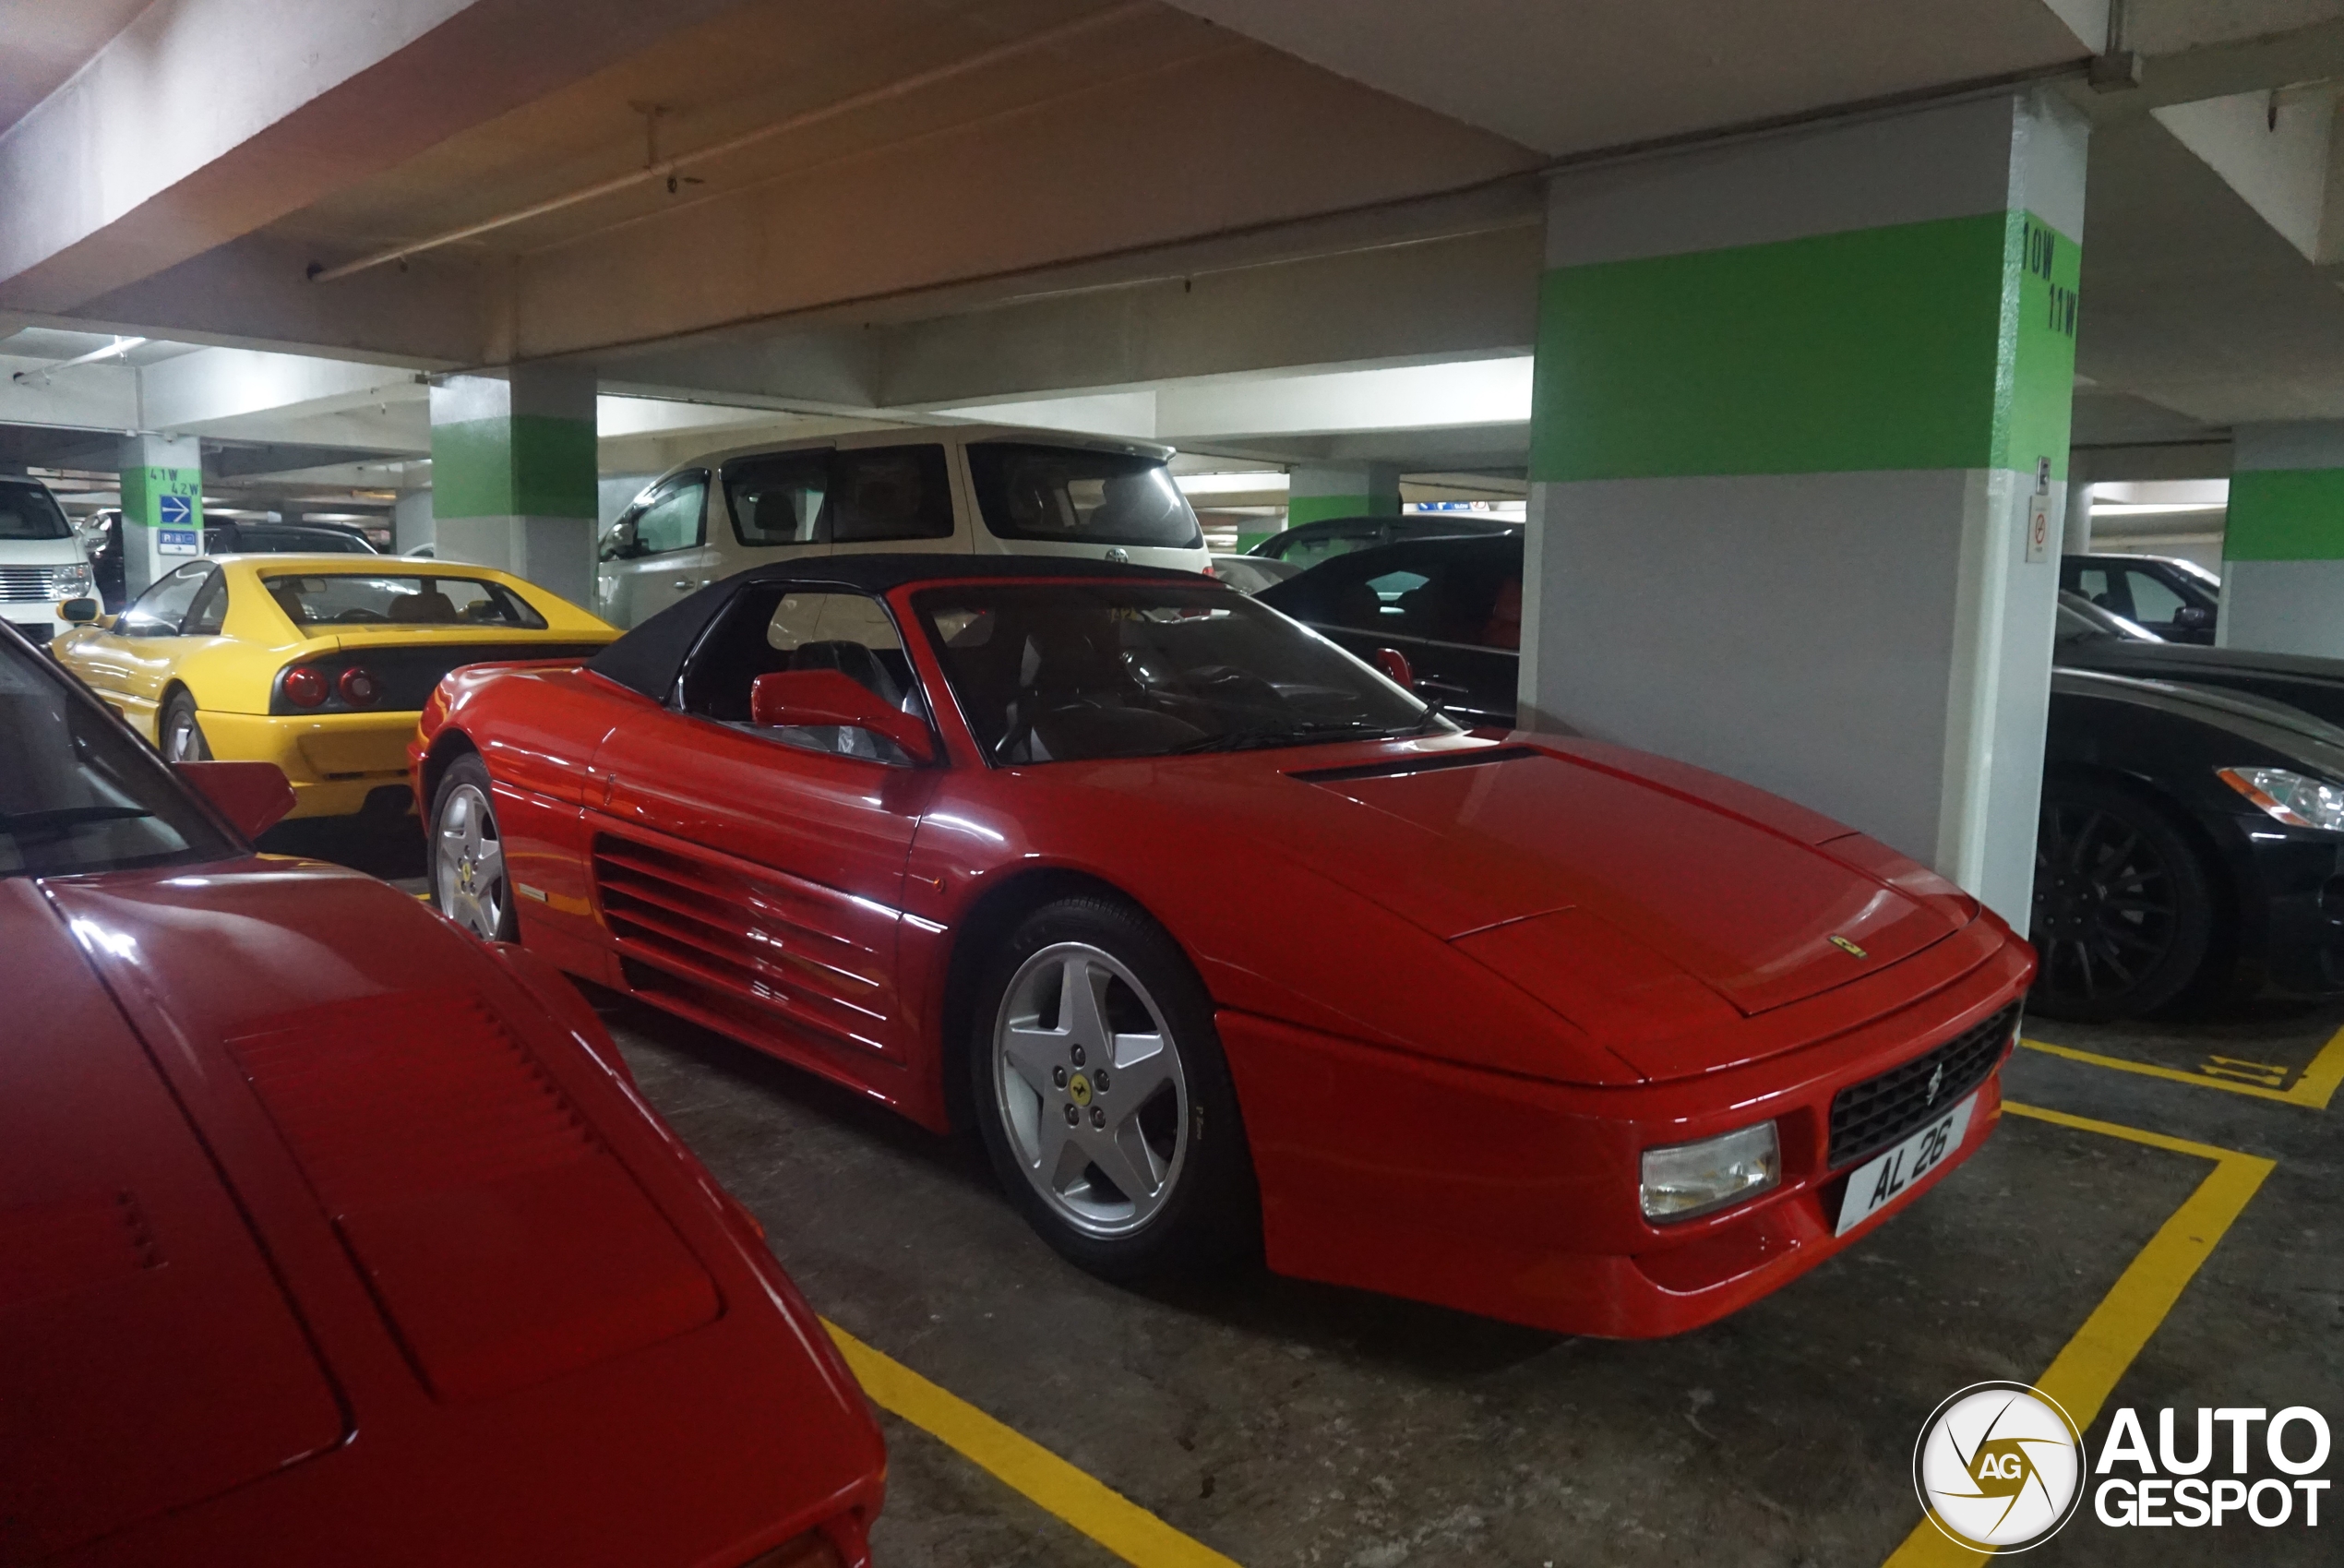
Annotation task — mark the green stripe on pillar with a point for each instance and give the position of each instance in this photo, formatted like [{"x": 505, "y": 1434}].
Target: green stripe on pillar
[
  {"x": 530, "y": 465},
  {"x": 1300, "y": 510},
  {"x": 144, "y": 488},
  {"x": 2285, "y": 514},
  {"x": 1941, "y": 344}
]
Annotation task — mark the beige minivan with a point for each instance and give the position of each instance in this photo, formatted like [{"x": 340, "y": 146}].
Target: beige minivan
[{"x": 952, "y": 490}]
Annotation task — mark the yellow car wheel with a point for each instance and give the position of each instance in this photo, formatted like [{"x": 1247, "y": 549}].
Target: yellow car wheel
[{"x": 181, "y": 736}]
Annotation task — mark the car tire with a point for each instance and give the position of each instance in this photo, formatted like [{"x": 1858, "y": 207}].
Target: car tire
[
  {"x": 2124, "y": 908},
  {"x": 179, "y": 736},
  {"x": 1144, "y": 1175},
  {"x": 468, "y": 881}
]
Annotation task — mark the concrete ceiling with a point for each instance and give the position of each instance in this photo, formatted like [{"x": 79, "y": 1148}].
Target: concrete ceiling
[
  {"x": 974, "y": 202},
  {"x": 1604, "y": 73},
  {"x": 47, "y": 42}
]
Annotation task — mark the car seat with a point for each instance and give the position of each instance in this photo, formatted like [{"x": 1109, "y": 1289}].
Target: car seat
[{"x": 430, "y": 607}]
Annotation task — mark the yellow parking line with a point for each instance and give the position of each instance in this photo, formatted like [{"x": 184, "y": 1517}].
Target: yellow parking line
[
  {"x": 2088, "y": 1366},
  {"x": 2314, "y": 1089},
  {"x": 1025, "y": 1467}
]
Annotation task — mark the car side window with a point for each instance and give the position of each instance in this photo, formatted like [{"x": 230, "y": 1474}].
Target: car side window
[
  {"x": 209, "y": 613},
  {"x": 2105, "y": 589},
  {"x": 2153, "y": 600},
  {"x": 671, "y": 519},
  {"x": 163, "y": 606},
  {"x": 778, "y": 499},
  {"x": 887, "y": 493},
  {"x": 777, "y": 626}
]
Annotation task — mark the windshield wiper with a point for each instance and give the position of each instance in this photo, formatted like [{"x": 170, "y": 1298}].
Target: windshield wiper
[{"x": 63, "y": 818}]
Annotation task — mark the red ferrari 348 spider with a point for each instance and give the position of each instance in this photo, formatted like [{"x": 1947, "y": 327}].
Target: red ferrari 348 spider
[
  {"x": 1221, "y": 939},
  {"x": 327, "y": 1236}
]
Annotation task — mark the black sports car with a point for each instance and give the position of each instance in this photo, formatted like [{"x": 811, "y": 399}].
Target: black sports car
[
  {"x": 2192, "y": 836},
  {"x": 2189, "y": 835}
]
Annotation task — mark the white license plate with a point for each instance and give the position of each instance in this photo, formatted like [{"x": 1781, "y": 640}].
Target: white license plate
[{"x": 1887, "y": 1176}]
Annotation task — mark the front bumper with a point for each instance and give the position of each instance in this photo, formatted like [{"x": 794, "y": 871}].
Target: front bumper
[
  {"x": 2290, "y": 887},
  {"x": 1517, "y": 1199},
  {"x": 337, "y": 763}
]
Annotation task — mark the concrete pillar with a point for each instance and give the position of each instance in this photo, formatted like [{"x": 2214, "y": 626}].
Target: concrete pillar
[
  {"x": 2077, "y": 538},
  {"x": 162, "y": 507},
  {"x": 512, "y": 475},
  {"x": 411, "y": 520},
  {"x": 2283, "y": 545},
  {"x": 1358, "y": 490},
  {"x": 1800, "y": 402},
  {"x": 288, "y": 511}
]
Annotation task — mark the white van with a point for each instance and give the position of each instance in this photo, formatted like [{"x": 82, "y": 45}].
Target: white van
[
  {"x": 43, "y": 559},
  {"x": 957, "y": 490}
]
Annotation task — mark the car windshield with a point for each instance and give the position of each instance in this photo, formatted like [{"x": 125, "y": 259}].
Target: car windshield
[
  {"x": 78, "y": 792},
  {"x": 368, "y": 598},
  {"x": 1051, "y": 673},
  {"x": 1079, "y": 497},
  {"x": 27, "y": 511}
]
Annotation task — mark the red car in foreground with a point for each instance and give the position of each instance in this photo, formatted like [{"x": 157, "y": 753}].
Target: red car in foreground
[
  {"x": 1221, "y": 939},
  {"x": 329, "y": 1235}
]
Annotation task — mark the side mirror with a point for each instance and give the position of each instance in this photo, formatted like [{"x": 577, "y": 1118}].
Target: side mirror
[
  {"x": 794, "y": 698},
  {"x": 1394, "y": 664},
  {"x": 2192, "y": 615},
  {"x": 81, "y": 612},
  {"x": 253, "y": 795}
]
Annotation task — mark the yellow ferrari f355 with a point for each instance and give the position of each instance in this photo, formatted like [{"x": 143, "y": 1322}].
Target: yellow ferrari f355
[{"x": 318, "y": 664}]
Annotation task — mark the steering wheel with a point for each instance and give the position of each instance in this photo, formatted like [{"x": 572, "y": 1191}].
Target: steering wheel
[{"x": 353, "y": 616}]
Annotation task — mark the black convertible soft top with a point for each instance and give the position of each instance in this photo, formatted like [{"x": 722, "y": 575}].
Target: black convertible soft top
[{"x": 649, "y": 658}]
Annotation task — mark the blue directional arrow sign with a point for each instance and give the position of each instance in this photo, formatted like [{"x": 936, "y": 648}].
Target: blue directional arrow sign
[{"x": 173, "y": 511}]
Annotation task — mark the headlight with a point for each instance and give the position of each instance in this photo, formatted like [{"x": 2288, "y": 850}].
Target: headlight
[
  {"x": 70, "y": 582},
  {"x": 2297, "y": 799},
  {"x": 1684, "y": 1179}
]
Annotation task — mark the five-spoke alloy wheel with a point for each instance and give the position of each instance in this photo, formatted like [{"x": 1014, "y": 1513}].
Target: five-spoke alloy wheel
[
  {"x": 1102, "y": 1096},
  {"x": 468, "y": 881},
  {"x": 1089, "y": 1086}
]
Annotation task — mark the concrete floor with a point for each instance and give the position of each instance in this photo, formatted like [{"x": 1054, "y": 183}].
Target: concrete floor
[{"x": 1283, "y": 1423}]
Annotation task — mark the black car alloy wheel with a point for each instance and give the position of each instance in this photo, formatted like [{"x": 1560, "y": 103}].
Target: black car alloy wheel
[{"x": 2123, "y": 905}]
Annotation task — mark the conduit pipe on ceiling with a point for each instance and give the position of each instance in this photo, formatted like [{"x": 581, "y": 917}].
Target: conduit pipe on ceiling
[
  {"x": 667, "y": 167},
  {"x": 120, "y": 345}
]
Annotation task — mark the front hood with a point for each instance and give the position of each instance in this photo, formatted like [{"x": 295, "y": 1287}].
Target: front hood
[
  {"x": 2278, "y": 725},
  {"x": 1749, "y": 912},
  {"x": 2316, "y": 685},
  {"x": 40, "y": 553},
  {"x": 502, "y": 1240},
  {"x": 153, "y": 1359}
]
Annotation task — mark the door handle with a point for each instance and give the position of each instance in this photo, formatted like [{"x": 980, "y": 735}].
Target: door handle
[{"x": 683, "y": 582}]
